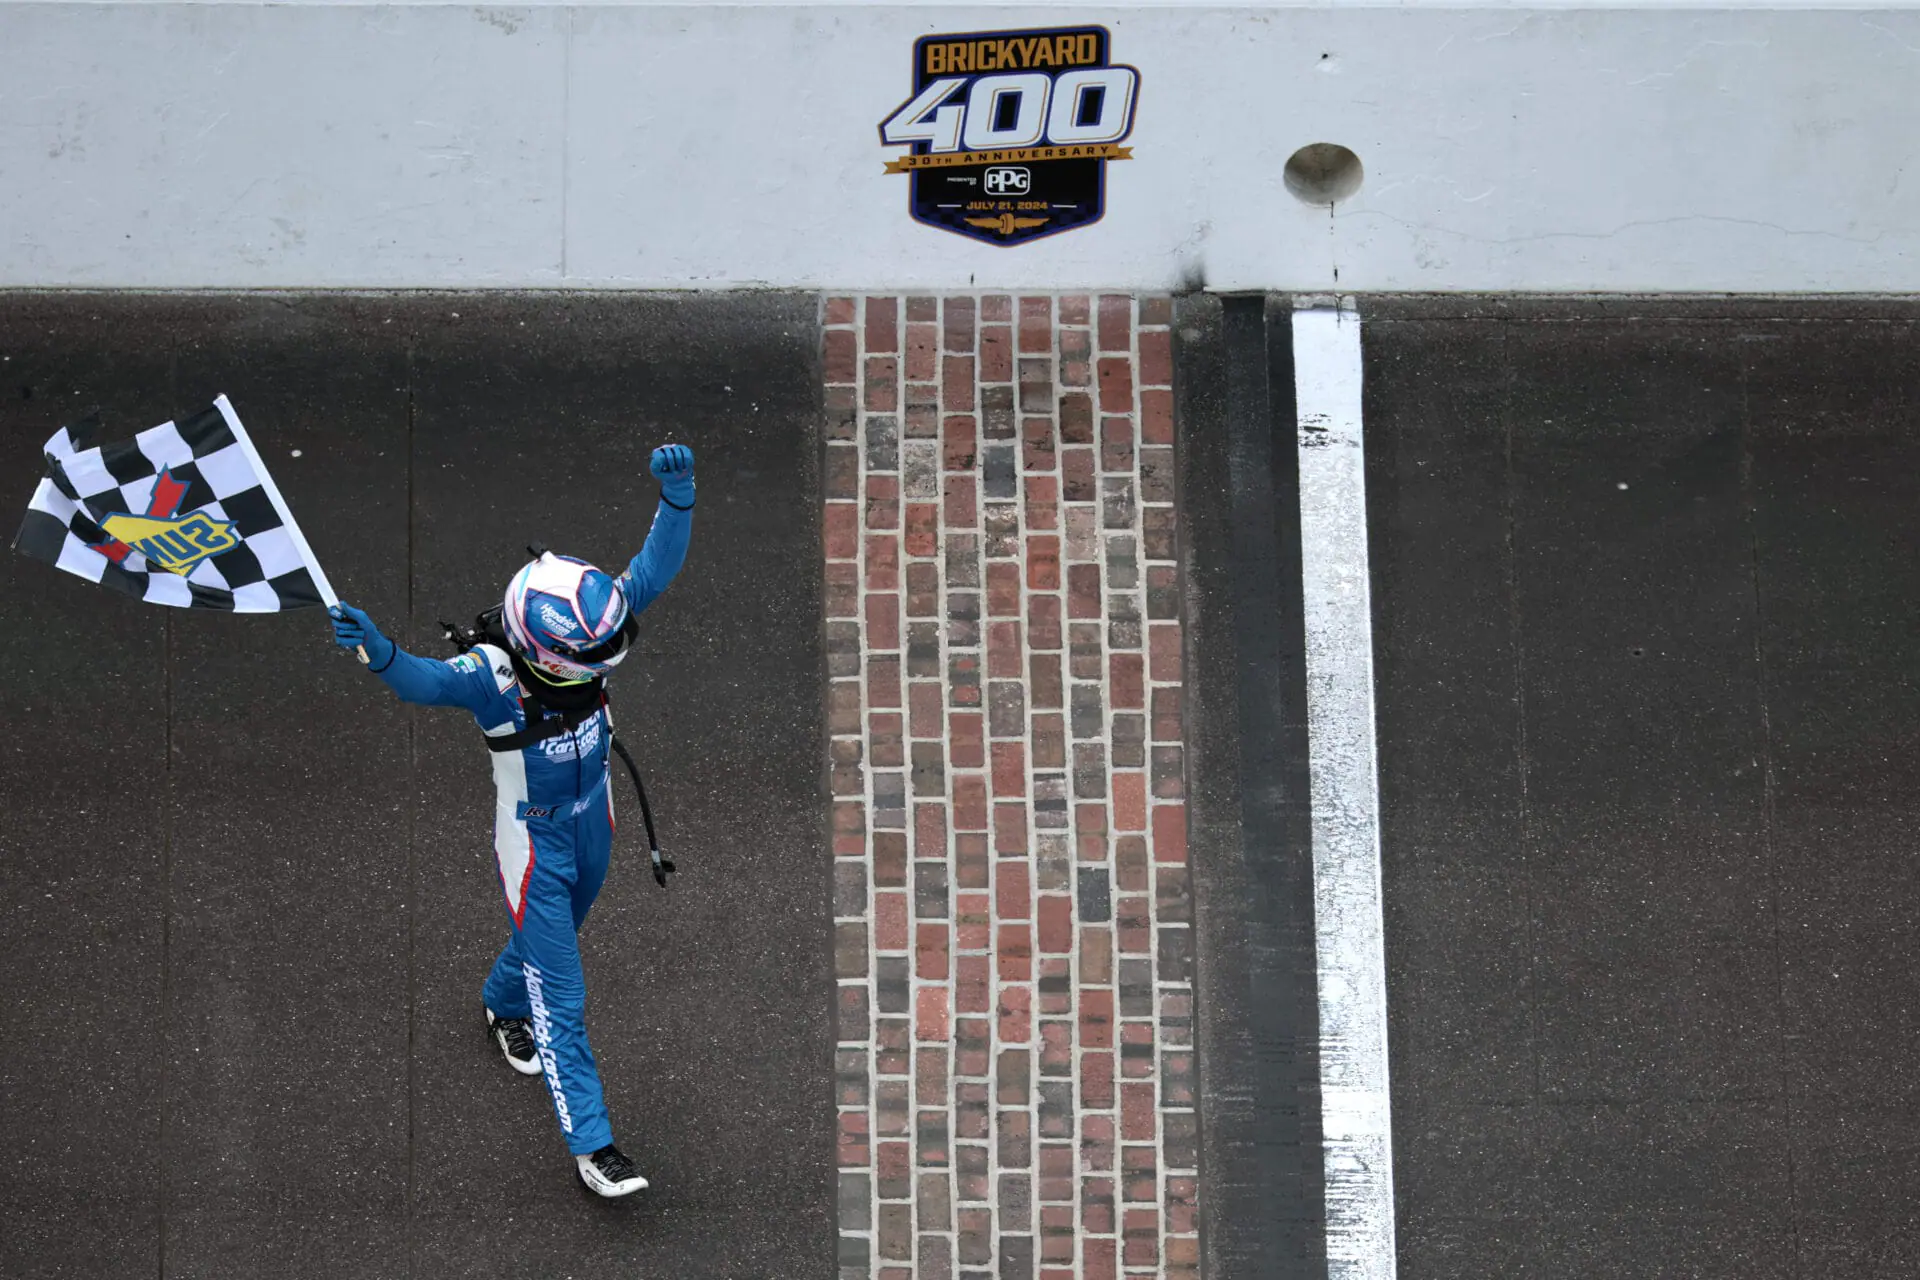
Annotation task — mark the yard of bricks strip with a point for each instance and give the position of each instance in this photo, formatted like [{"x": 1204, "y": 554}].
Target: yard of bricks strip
[{"x": 1013, "y": 928}]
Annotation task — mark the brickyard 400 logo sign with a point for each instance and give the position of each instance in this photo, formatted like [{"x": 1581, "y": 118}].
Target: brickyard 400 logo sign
[{"x": 1012, "y": 130}]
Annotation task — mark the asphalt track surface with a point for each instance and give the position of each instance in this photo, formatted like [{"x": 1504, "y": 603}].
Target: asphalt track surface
[
  {"x": 1647, "y": 776},
  {"x": 1646, "y": 586},
  {"x": 251, "y": 897},
  {"x": 1645, "y": 579}
]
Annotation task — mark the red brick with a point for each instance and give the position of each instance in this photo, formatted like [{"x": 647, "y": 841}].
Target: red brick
[
  {"x": 970, "y": 860},
  {"x": 1166, "y": 715},
  {"x": 840, "y": 356},
  {"x": 849, "y": 828},
  {"x": 1116, "y": 443},
  {"x": 972, "y": 921},
  {"x": 959, "y": 434},
  {"x": 883, "y": 317},
  {"x": 883, "y": 562},
  {"x": 997, "y": 306},
  {"x": 1130, "y": 864},
  {"x": 957, "y": 324},
  {"x": 1140, "y": 1176},
  {"x": 892, "y": 1164},
  {"x": 1056, "y": 1236},
  {"x": 886, "y": 744},
  {"x": 883, "y": 683},
  {"x": 923, "y": 352},
  {"x": 1043, "y": 622},
  {"x": 930, "y": 1015},
  {"x": 1090, "y": 824},
  {"x": 1043, "y": 676},
  {"x": 924, "y": 699},
  {"x": 1010, "y": 769},
  {"x": 1126, "y": 674},
  {"x": 1096, "y": 955},
  {"x": 1049, "y": 735},
  {"x": 1156, "y": 417},
  {"x": 842, "y": 480},
  {"x": 1170, "y": 833},
  {"x": 1076, "y": 475},
  {"x": 1156, "y": 310},
  {"x": 882, "y": 385},
  {"x": 843, "y": 531},
  {"x": 854, "y": 1139},
  {"x": 1043, "y": 562},
  {"x": 1076, "y": 418},
  {"x": 996, "y": 353},
  {"x": 1056, "y": 1042},
  {"x": 1133, "y": 926},
  {"x": 973, "y": 978},
  {"x": 970, "y": 1048},
  {"x": 1129, "y": 801},
  {"x": 1096, "y": 1080},
  {"x": 1116, "y": 322},
  {"x": 843, "y": 578},
  {"x": 1098, "y": 1260},
  {"x": 1163, "y": 646},
  {"x": 956, "y": 383},
  {"x": 923, "y": 529},
  {"x": 969, "y": 803},
  {"x": 963, "y": 502},
  {"x": 1043, "y": 502},
  {"x": 1182, "y": 1219},
  {"x": 1156, "y": 358},
  {"x": 1116, "y": 385},
  {"x": 1055, "y": 925},
  {"x": 1137, "y": 1114},
  {"x": 1016, "y": 1014},
  {"x": 889, "y": 921},
  {"x": 1083, "y": 591},
  {"x": 1003, "y": 650},
  {"x": 1096, "y": 1018},
  {"x": 1009, "y": 829},
  {"x": 883, "y": 620},
  {"x": 883, "y": 502},
  {"x": 1013, "y": 952},
  {"x": 966, "y": 732},
  {"x": 1141, "y": 1233},
  {"x": 843, "y": 707},
  {"x": 1003, "y": 590},
  {"x": 1036, "y": 444},
  {"x": 1013, "y": 893},
  {"x": 923, "y": 591},
  {"x": 838, "y": 311},
  {"x": 1073, "y": 309},
  {"x": 1036, "y": 324},
  {"x": 930, "y": 830}
]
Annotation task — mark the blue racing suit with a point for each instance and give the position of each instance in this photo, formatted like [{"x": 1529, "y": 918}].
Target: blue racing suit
[{"x": 552, "y": 833}]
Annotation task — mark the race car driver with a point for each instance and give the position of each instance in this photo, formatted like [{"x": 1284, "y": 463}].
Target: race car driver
[{"x": 537, "y": 691}]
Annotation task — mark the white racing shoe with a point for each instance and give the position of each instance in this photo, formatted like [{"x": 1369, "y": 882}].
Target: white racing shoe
[
  {"x": 608, "y": 1173},
  {"x": 515, "y": 1038}
]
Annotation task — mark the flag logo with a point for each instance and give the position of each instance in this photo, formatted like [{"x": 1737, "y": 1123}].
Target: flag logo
[
  {"x": 1010, "y": 132},
  {"x": 182, "y": 514},
  {"x": 173, "y": 542}
]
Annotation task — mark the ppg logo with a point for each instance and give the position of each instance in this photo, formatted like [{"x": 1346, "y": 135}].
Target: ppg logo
[{"x": 1008, "y": 180}]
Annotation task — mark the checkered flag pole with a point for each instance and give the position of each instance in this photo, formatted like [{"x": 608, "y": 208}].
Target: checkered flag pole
[{"x": 184, "y": 514}]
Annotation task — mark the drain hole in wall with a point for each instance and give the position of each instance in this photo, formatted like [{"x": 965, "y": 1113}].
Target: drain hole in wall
[{"x": 1323, "y": 173}]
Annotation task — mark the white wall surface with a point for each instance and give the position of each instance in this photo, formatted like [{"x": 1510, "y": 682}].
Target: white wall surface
[{"x": 658, "y": 146}]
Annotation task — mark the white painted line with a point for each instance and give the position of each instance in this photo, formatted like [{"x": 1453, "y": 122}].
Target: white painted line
[{"x": 1354, "y": 1103}]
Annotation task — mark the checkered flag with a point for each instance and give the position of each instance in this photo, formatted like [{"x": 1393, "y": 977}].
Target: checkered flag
[{"x": 183, "y": 514}]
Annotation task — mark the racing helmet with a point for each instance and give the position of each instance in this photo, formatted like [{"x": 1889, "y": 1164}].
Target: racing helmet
[{"x": 567, "y": 619}]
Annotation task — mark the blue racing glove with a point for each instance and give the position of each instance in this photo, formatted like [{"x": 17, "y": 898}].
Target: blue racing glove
[
  {"x": 673, "y": 465},
  {"x": 352, "y": 629}
]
